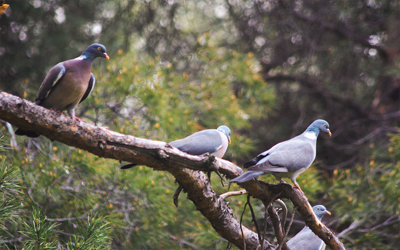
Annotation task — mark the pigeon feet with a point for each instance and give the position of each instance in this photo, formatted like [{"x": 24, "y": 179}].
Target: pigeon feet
[
  {"x": 78, "y": 119},
  {"x": 298, "y": 187}
]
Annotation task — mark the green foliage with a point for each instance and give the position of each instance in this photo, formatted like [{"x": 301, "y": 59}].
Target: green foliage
[
  {"x": 9, "y": 206},
  {"x": 38, "y": 232},
  {"x": 26, "y": 217},
  {"x": 94, "y": 234},
  {"x": 9, "y": 194},
  {"x": 368, "y": 198}
]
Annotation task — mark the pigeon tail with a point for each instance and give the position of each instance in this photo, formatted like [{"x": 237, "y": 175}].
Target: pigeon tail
[
  {"x": 130, "y": 165},
  {"x": 249, "y": 175},
  {"x": 254, "y": 161},
  {"x": 27, "y": 133}
]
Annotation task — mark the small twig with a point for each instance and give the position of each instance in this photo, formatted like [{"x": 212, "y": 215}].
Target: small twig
[
  {"x": 284, "y": 212},
  {"x": 265, "y": 215},
  {"x": 39, "y": 148},
  {"x": 352, "y": 226},
  {"x": 176, "y": 194},
  {"x": 30, "y": 196},
  {"x": 265, "y": 226},
  {"x": 68, "y": 234},
  {"x": 10, "y": 241},
  {"x": 63, "y": 219},
  {"x": 232, "y": 193},
  {"x": 273, "y": 214},
  {"x": 387, "y": 222},
  {"x": 255, "y": 221},
  {"x": 287, "y": 230},
  {"x": 220, "y": 177},
  {"x": 215, "y": 169},
  {"x": 241, "y": 227},
  {"x": 182, "y": 241}
]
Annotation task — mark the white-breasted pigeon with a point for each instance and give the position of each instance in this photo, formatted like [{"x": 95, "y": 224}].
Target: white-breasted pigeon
[
  {"x": 306, "y": 238},
  {"x": 209, "y": 141},
  {"x": 287, "y": 159}
]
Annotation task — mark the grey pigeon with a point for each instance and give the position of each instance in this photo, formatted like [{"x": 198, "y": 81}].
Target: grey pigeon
[
  {"x": 68, "y": 83},
  {"x": 307, "y": 239},
  {"x": 287, "y": 159},
  {"x": 210, "y": 141}
]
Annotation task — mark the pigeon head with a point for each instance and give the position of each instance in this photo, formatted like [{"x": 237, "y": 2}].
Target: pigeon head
[
  {"x": 226, "y": 131},
  {"x": 95, "y": 50},
  {"x": 319, "y": 125},
  {"x": 320, "y": 211}
]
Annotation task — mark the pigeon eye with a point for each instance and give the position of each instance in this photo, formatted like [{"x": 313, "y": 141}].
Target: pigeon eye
[{"x": 98, "y": 48}]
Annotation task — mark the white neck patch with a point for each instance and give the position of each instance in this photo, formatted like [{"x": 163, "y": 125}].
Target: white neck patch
[{"x": 310, "y": 135}]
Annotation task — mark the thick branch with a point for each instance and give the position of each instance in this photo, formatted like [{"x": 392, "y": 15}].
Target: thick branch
[{"x": 160, "y": 156}]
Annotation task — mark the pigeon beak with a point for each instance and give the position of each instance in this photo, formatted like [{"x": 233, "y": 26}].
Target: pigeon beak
[
  {"x": 329, "y": 132},
  {"x": 328, "y": 213},
  {"x": 106, "y": 56},
  {"x": 3, "y": 7},
  {"x": 229, "y": 140}
]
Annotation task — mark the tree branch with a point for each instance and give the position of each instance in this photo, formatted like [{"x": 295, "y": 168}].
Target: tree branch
[
  {"x": 279, "y": 230},
  {"x": 161, "y": 156}
]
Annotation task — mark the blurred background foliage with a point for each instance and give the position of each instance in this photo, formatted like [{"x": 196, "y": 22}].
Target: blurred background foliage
[{"x": 266, "y": 69}]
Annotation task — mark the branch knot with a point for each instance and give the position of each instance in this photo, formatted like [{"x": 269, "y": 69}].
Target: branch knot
[{"x": 162, "y": 154}]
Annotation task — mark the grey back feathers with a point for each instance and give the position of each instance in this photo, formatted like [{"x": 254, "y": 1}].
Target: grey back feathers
[
  {"x": 211, "y": 141},
  {"x": 306, "y": 239}
]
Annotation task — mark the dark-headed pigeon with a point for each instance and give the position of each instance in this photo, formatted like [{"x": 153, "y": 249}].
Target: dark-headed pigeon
[{"x": 68, "y": 83}]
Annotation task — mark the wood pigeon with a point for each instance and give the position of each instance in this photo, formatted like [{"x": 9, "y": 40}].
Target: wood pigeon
[
  {"x": 68, "y": 83},
  {"x": 287, "y": 159},
  {"x": 306, "y": 239},
  {"x": 210, "y": 141}
]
